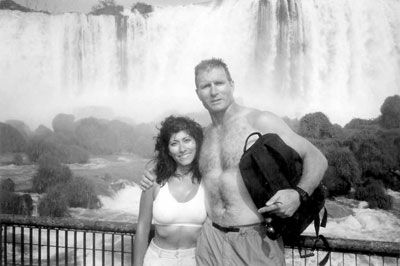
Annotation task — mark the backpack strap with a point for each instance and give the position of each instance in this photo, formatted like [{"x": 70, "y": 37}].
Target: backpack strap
[{"x": 247, "y": 140}]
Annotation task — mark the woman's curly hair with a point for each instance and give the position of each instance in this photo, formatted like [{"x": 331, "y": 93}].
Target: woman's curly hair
[{"x": 165, "y": 165}]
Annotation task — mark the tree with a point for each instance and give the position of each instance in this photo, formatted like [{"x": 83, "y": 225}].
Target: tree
[
  {"x": 64, "y": 123},
  {"x": 54, "y": 203},
  {"x": 50, "y": 173},
  {"x": 142, "y": 8},
  {"x": 374, "y": 193},
  {"x": 343, "y": 171},
  {"x": 316, "y": 125},
  {"x": 7, "y": 185},
  {"x": 10, "y": 139},
  {"x": 80, "y": 192},
  {"x": 107, "y": 7},
  {"x": 390, "y": 110}
]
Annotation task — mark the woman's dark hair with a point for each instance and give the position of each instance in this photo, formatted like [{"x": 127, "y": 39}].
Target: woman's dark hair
[{"x": 165, "y": 165}]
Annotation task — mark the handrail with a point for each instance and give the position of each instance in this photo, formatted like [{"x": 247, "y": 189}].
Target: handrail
[
  {"x": 364, "y": 247},
  {"x": 68, "y": 223}
]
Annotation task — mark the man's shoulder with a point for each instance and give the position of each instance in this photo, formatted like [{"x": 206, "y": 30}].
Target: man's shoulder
[{"x": 263, "y": 120}]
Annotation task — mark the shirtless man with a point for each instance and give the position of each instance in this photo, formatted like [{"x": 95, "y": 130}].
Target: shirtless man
[{"x": 234, "y": 233}]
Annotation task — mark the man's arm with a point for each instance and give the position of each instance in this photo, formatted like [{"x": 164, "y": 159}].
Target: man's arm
[
  {"x": 285, "y": 202},
  {"x": 147, "y": 180}
]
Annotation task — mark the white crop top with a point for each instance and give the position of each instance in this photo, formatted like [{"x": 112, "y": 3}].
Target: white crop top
[{"x": 168, "y": 211}]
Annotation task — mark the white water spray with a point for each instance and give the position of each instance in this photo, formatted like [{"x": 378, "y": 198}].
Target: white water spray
[{"x": 341, "y": 57}]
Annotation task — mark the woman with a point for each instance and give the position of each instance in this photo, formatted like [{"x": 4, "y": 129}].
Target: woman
[{"x": 175, "y": 203}]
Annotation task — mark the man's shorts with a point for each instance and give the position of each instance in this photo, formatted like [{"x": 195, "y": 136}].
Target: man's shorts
[{"x": 249, "y": 246}]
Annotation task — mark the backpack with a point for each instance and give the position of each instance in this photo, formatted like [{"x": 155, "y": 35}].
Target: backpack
[{"x": 270, "y": 165}]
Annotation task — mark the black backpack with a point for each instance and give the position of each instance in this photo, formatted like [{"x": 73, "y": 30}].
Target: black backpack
[{"x": 270, "y": 165}]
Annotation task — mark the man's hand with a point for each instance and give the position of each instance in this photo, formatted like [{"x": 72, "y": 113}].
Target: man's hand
[
  {"x": 147, "y": 180},
  {"x": 283, "y": 204}
]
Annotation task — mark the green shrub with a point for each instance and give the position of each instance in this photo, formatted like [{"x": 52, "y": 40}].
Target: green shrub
[
  {"x": 18, "y": 159},
  {"x": 12, "y": 203},
  {"x": 390, "y": 110},
  {"x": 373, "y": 192},
  {"x": 10, "y": 139},
  {"x": 374, "y": 158},
  {"x": 96, "y": 136},
  {"x": 316, "y": 125},
  {"x": 64, "y": 153},
  {"x": 142, "y": 8},
  {"x": 50, "y": 173},
  {"x": 343, "y": 171},
  {"x": 107, "y": 7},
  {"x": 7, "y": 184},
  {"x": 80, "y": 193},
  {"x": 54, "y": 203},
  {"x": 358, "y": 123}
]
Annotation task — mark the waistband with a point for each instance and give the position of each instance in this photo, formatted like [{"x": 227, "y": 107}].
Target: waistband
[
  {"x": 238, "y": 228},
  {"x": 171, "y": 253}
]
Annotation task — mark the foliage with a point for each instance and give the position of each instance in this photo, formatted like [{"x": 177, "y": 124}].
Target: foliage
[
  {"x": 7, "y": 185},
  {"x": 10, "y": 139},
  {"x": 54, "y": 203},
  {"x": 96, "y": 136},
  {"x": 50, "y": 173},
  {"x": 374, "y": 155},
  {"x": 142, "y": 8},
  {"x": 64, "y": 123},
  {"x": 343, "y": 171},
  {"x": 21, "y": 127},
  {"x": 390, "y": 110},
  {"x": 358, "y": 123},
  {"x": 18, "y": 159},
  {"x": 49, "y": 146},
  {"x": 107, "y": 7},
  {"x": 12, "y": 203},
  {"x": 80, "y": 193},
  {"x": 11, "y": 5},
  {"x": 316, "y": 125},
  {"x": 374, "y": 193}
]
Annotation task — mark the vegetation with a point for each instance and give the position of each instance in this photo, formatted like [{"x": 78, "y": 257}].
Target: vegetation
[
  {"x": 364, "y": 155},
  {"x": 51, "y": 147},
  {"x": 142, "y": 8},
  {"x": 51, "y": 172},
  {"x": 316, "y": 125},
  {"x": 107, "y": 7},
  {"x": 10, "y": 139},
  {"x": 7, "y": 185},
  {"x": 80, "y": 193},
  {"x": 390, "y": 110},
  {"x": 343, "y": 171},
  {"x": 12, "y": 203},
  {"x": 373, "y": 192},
  {"x": 54, "y": 203}
]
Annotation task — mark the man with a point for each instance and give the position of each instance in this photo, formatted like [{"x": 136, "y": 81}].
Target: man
[{"x": 234, "y": 234}]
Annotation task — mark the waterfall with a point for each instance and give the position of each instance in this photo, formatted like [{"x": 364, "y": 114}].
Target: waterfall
[{"x": 292, "y": 57}]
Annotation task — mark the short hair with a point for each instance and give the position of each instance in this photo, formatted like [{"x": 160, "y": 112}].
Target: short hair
[
  {"x": 165, "y": 165},
  {"x": 209, "y": 64}
]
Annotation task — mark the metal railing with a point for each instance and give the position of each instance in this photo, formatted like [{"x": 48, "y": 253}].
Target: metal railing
[{"x": 49, "y": 241}]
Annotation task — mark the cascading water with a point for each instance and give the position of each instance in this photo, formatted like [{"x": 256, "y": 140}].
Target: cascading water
[{"x": 341, "y": 57}]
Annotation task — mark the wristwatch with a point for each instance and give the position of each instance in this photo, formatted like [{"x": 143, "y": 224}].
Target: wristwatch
[{"x": 303, "y": 195}]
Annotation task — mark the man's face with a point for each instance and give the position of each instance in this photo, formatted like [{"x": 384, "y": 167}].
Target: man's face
[{"x": 214, "y": 89}]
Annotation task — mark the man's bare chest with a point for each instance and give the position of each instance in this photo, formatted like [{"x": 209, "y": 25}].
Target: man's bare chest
[{"x": 223, "y": 148}]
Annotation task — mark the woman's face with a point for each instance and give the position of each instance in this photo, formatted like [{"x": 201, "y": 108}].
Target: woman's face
[{"x": 182, "y": 148}]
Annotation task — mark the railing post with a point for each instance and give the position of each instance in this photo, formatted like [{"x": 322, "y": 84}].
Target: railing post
[
  {"x": 22, "y": 247},
  {"x": 1, "y": 245}
]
